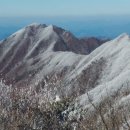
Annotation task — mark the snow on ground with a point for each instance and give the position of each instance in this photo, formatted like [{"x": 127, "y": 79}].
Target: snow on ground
[{"x": 115, "y": 76}]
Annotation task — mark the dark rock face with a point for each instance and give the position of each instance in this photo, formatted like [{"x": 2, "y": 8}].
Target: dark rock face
[
  {"x": 68, "y": 42},
  {"x": 92, "y": 43}
]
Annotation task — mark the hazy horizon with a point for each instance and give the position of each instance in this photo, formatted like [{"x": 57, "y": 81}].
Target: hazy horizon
[
  {"x": 98, "y": 26},
  {"x": 100, "y": 18}
]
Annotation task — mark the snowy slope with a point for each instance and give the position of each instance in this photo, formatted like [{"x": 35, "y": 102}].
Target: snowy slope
[{"x": 114, "y": 74}]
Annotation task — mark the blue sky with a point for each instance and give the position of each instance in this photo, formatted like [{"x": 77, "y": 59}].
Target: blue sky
[{"x": 63, "y": 7}]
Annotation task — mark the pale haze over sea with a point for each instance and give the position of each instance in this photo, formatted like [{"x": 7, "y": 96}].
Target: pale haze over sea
[
  {"x": 98, "y": 26},
  {"x": 99, "y": 18}
]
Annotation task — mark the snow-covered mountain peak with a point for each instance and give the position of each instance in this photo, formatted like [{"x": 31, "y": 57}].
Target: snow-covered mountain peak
[
  {"x": 30, "y": 29},
  {"x": 37, "y": 25},
  {"x": 50, "y": 29},
  {"x": 123, "y": 37},
  {"x": 34, "y": 24},
  {"x": 51, "y": 26}
]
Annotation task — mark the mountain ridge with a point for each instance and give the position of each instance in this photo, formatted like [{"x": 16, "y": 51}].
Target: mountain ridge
[
  {"x": 38, "y": 62},
  {"x": 35, "y": 40}
]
